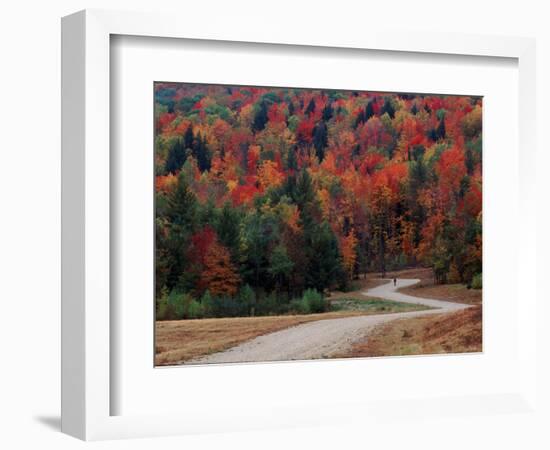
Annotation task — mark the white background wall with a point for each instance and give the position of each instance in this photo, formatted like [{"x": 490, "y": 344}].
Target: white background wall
[{"x": 30, "y": 202}]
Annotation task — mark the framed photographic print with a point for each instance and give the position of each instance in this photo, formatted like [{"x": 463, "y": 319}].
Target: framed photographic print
[{"x": 252, "y": 220}]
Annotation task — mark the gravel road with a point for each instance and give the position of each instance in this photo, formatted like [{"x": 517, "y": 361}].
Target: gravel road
[{"x": 323, "y": 338}]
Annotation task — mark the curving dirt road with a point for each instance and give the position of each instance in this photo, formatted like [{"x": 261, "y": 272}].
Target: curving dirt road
[{"x": 323, "y": 338}]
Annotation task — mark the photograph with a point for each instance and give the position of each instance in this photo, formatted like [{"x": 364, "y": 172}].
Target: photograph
[{"x": 300, "y": 223}]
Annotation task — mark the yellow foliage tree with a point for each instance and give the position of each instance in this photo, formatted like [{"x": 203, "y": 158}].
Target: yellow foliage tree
[
  {"x": 349, "y": 255},
  {"x": 269, "y": 175}
]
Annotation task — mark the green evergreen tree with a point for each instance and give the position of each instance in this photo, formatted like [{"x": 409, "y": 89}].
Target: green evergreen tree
[
  {"x": 304, "y": 194},
  {"x": 202, "y": 153},
  {"x": 388, "y": 108},
  {"x": 324, "y": 258},
  {"x": 356, "y": 152},
  {"x": 280, "y": 266},
  {"x": 310, "y": 108},
  {"x": 188, "y": 137},
  {"x": 176, "y": 157},
  {"x": 255, "y": 243},
  {"x": 181, "y": 222},
  {"x": 328, "y": 111},
  {"x": 292, "y": 161},
  {"x": 228, "y": 229},
  {"x": 247, "y": 298},
  {"x": 369, "y": 111},
  {"x": 320, "y": 139},
  {"x": 440, "y": 131},
  {"x": 290, "y": 108},
  {"x": 469, "y": 160},
  {"x": 260, "y": 118},
  {"x": 182, "y": 207},
  {"x": 390, "y": 149},
  {"x": 417, "y": 152}
]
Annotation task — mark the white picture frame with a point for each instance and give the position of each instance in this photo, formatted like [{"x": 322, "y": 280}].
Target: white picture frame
[{"x": 86, "y": 245}]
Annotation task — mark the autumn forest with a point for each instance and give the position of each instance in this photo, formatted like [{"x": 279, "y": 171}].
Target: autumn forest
[{"x": 268, "y": 199}]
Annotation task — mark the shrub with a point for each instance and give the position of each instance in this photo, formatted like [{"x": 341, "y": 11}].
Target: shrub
[
  {"x": 183, "y": 306},
  {"x": 175, "y": 301},
  {"x": 315, "y": 301},
  {"x": 477, "y": 281},
  {"x": 311, "y": 302},
  {"x": 228, "y": 307},
  {"x": 247, "y": 298},
  {"x": 195, "y": 310},
  {"x": 222, "y": 306},
  {"x": 207, "y": 303},
  {"x": 164, "y": 310},
  {"x": 453, "y": 276},
  {"x": 299, "y": 306},
  {"x": 346, "y": 285},
  {"x": 268, "y": 305}
]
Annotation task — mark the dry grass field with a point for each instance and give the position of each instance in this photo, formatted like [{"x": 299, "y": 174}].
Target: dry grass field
[
  {"x": 178, "y": 341},
  {"x": 458, "y": 332},
  {"x": 181, "y": 340}
]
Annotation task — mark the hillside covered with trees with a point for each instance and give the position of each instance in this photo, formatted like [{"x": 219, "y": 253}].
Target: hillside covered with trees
[{"x": 268, "y": 198}]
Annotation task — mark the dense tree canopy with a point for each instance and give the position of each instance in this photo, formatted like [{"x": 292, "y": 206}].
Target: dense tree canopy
[{"x": 264, "y": 192}]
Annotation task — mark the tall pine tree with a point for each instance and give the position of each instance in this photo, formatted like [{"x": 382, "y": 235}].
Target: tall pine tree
[
  {"x": 176, "y": 157},
  {"x": 320, "y": 139}
]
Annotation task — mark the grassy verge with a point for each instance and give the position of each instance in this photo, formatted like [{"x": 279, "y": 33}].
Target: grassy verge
[
  {"x": 178, "y": 341},
  {"x": 457, "y": 332},
  {"x": 357, "y": 288},
  {"x": 373, "y": 305}
]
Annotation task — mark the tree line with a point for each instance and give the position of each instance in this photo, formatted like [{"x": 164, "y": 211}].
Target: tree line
[{"x": 263, "y": 195}]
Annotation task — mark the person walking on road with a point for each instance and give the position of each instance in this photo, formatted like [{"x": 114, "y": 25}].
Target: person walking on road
[{"x": 395, "y": 281}]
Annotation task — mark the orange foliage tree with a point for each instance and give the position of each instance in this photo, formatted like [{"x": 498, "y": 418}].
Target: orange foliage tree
[{"x": 219, "y": 276}]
